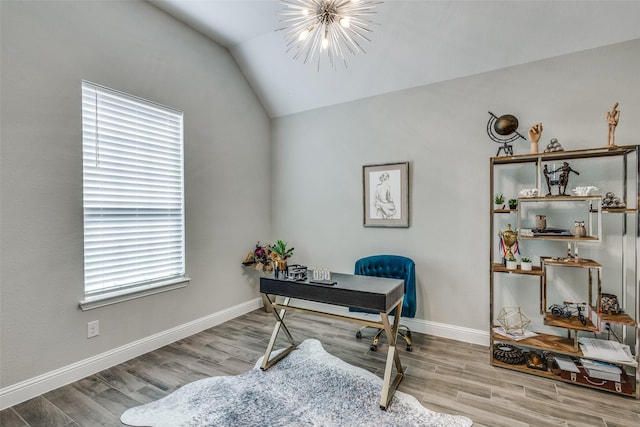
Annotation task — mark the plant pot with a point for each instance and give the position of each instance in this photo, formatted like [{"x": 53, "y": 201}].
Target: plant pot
[
  {"x": 513, "y": 206},
  {"x": 512, "y": 265},
  {"x": 526, "y": 266},
  {"x": 281, "y": 268}
]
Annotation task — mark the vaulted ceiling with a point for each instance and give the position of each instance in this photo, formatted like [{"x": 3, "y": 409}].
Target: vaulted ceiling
[{"x": 416, "y": 43}]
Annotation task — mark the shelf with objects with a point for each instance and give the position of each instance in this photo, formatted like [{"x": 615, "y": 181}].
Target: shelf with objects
[{"x": 574, "y": 315}]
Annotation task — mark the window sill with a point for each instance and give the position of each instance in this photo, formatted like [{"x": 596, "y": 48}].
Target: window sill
[{"x": 118, "y": 296}]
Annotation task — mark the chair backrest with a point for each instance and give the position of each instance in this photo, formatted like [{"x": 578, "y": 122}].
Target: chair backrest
[{"x": 394, "y": 267}]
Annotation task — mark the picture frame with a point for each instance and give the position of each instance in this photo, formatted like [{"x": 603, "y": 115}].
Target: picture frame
[{"x": 385, "y": 195}]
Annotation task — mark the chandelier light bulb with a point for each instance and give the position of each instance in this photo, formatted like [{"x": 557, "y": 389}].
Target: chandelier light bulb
[{"x": 326, "y": 28}]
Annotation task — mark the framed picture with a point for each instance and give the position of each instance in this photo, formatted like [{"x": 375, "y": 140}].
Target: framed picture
[{"x": 386, "y": 195}]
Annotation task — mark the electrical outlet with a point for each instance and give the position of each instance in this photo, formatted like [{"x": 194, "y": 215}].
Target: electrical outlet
[{"x": 93, "y": 329}]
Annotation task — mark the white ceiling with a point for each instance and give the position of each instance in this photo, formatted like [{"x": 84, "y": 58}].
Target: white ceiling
[{"x": 417, "y": 43}]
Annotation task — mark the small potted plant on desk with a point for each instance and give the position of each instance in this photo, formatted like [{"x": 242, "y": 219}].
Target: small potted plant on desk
[
  {"x": 525, "y": 264},
  {"x": 513, "y": 203},
  {"x": 282, "y": 253},
  {"x": 512, "y": 264},
  {"x": 499, "y": 201}
]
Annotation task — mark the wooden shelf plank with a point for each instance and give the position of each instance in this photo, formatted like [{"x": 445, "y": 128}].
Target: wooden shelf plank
[
  {"x": 560, "y": 237},
  {"x": 499, "y": 268},
  {"x": 546, "y": 342},
  {"x": 622, "y": 319},
  {"x": 572, "y": 323},
  {"x": 627, "y": 389},
  {"x": 570, "y": 262}
]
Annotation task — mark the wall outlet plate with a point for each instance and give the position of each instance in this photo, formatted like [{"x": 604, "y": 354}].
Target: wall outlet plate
[{"x": 93, "y": 329}]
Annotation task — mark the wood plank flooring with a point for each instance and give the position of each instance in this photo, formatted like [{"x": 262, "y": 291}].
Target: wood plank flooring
[{"x": 445, "y": 375}]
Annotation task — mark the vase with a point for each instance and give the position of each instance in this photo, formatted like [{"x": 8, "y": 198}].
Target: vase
[
  {"x": 281, "y": 268},
  {"x": 512, "y": 265},
  {"x": 541, "y": 222},
  {"x": 526, "y": 266}
]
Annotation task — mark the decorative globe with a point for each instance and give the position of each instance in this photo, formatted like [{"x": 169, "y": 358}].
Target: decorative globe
[{"x": 506, "y": 125}]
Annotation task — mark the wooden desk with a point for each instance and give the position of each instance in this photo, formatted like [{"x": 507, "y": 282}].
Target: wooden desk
[{"x": 376, "y": 294}]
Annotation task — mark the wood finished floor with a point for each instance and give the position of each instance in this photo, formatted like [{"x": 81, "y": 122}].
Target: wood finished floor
[{"x": 445, "y": 375}]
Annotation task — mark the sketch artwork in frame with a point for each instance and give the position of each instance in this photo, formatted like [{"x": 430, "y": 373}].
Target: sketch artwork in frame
[{"x": 386, "y": 195}]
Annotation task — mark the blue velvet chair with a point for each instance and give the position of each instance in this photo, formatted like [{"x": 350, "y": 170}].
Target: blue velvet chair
[{"x": 395, "y": 267}]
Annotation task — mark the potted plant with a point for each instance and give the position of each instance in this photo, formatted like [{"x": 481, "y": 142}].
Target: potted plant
[
  {"x": 513, "y": 203},
  {"x": 525, "y": 264},
  {"x": 512, "y": 264},
  {"x": 499, "y": 200},
  {"x": 282, "y": 253}
]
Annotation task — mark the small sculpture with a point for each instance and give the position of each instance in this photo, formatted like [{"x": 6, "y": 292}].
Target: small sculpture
[
  {"x": 610, "y": 200},
  {"x": 553, "y": 145},
  {"x": 562, "y": 181},
  {"x": 534, "y": 136},
  {"x": 548, "y": 179},
  {"x": 578, "y": 229},
  {"x": 508, "y": 241},
  {"x": 613, "y": 116},
  {"x": 565, "y": 170},
  {"x": 513, "y": 320}
]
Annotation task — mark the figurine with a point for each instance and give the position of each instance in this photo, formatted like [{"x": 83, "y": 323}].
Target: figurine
[
  {"x": 565, "y": 169},
  {"x": 562, "y": 181},
  {"x": 613, "y": 116},
  {"x": 534, "y": 136}
]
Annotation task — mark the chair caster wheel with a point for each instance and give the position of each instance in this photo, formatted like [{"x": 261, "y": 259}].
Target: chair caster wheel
[
  {"x": 358, "y": 334},
  {"x": 373, "y": 347},
  {"x": 409, "y": 348}
]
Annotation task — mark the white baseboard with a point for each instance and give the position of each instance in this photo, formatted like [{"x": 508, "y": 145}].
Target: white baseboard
[
  {"x": 28, "y": 389},
  {"x": 458, "y": 333}
]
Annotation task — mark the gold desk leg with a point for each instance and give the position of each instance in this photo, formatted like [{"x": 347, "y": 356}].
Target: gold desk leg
[
  {"x": 389, "y": 388},
  {"x": 279, "y": 315}
]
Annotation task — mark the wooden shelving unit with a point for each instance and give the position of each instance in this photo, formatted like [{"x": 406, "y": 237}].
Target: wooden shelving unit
[{"x": 559, "y": 335}]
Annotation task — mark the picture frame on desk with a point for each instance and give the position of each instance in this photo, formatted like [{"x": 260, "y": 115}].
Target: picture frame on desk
[{"x": 386, "y": 195}]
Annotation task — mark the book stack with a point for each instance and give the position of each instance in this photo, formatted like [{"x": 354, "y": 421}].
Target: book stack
[{"x": 602, "y": 370}]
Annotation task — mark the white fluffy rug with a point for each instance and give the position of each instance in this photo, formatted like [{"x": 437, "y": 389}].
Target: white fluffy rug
[{"x": 309, "y": 387}]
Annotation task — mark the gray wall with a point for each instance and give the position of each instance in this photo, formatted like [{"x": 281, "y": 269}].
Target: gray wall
[
  {"x": 47, "y": 48},
  {"x": 441, "y": 130}
]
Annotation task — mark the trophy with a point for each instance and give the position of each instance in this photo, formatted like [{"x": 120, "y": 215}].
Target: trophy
[{"x": 508, "y": 239}]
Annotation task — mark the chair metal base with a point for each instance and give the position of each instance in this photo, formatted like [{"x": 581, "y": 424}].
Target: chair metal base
[{"x": 406, "y": 336}]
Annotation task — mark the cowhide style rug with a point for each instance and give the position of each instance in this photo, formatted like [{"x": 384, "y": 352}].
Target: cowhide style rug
[{"x": 309, "y": 387}]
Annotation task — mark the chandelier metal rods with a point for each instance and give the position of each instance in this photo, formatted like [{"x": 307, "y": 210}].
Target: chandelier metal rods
[{"x": 336, "y": 27}]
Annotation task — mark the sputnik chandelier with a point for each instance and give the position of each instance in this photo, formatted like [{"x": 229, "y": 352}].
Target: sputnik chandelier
[{"x": 332, "y": 27}]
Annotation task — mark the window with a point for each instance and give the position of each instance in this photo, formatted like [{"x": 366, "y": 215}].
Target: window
[{"x": 133, "y": 196}]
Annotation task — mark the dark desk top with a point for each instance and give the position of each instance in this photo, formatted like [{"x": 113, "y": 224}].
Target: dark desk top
[{"x": 364, "y": 292}]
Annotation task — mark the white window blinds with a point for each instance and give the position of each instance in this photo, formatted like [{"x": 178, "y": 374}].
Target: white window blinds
[{"x": 133, "y": 192}]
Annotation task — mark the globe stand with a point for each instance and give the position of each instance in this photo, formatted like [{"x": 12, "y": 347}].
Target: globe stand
[
  {"x": 508, "y": 149},
  {"x": 503, "y": 131}
]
